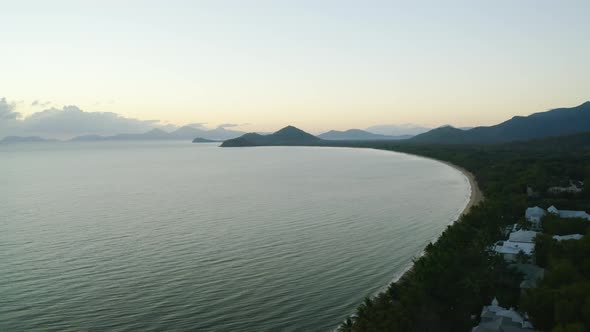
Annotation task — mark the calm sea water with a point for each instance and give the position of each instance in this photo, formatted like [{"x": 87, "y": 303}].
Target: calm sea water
[{"x": 179, "y": 236}]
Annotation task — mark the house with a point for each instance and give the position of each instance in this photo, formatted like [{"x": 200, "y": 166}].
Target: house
[
  {"x": 560, "y": 238},
  {"x": 510, "y": 250},
  {"x": 532, "y": 274},
  {"x": 522, "y": 236},
  {"x": 534, "y": 216},
  {"x": 518, "y": 241},
  {"x": 568, "y": 213},
  {"x": 497, "y": 319}
]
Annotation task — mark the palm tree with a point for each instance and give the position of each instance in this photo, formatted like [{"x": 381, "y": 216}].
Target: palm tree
[{"x": 346, "y": 326}]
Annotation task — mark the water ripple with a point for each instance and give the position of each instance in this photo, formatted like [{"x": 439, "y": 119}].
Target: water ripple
[{"x": 172, "y": 236}]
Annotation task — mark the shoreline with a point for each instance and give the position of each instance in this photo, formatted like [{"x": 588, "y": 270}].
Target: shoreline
[{"x": 475, "y": 197}]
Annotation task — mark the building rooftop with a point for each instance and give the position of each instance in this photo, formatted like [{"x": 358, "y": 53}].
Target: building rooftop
[
  {"x": 534, "y": 212},
  {"x": 568, "y": 237},
  {"x": 495, "y": 318},
  {"x": 509, "y": 247},
  {"x": 532, "y": 274},
  {"x": 569, "y": 213}
]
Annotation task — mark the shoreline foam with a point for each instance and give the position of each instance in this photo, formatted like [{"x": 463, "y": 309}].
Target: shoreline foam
[{"x": 476, "y": 195}]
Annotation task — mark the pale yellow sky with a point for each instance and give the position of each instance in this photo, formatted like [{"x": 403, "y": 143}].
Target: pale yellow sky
[{"x": 334, "y": 65}]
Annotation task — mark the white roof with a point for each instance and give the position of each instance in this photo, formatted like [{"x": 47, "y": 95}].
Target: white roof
[
  {"x": 568, "y": 237},
  {"x": 534, "y": 212},
  {"x": 495, "y": 310},
  {"x": 522, "y": 236},
  {"x": 569, "y": 213},
  {"x": 509, "y": 247},
  {"x": 574, "y": 214}
]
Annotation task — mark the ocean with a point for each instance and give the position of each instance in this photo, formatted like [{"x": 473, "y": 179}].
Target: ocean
[{"x": 162, "y": 236}]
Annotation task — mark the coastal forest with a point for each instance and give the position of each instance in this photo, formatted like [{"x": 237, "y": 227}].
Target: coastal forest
[{"x": 448, "y": 286}]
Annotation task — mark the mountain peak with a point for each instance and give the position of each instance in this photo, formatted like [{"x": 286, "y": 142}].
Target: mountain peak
[
  {"x": 286, "y": 136},
  {"x": 292, "y": 131},
  {"x": 555, "y": 122},
  {"x": 289, "y": 128}
]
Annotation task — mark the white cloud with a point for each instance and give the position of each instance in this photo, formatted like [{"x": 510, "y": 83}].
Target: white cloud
[
  {"x": 7, "y": 111},
  {"x": 197, "y": 125},
  {"x": 68, "y": 122},
  {"x": 38, "y": 103}
]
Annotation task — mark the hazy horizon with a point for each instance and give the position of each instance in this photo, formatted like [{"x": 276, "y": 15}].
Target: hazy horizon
[
  {"x": 334, "y": 65},
  {"x": 70, "y": 122}
]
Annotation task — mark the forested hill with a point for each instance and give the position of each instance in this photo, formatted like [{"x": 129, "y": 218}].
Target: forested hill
[
  {"x": 286, "y": 136},
  {"x": 456, "y": 276},
  {"x": 358, "y": 135},
  {"x": 557, "y": 122},
  {"x": 552, "y": 124}
]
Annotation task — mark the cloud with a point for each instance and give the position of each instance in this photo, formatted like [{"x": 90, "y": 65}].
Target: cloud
[
  {"x": 69, "y": 121},
  {"x": 38, "y": 103},
  {"x": 7, "y": 111},
  {"x": 169, "y": 127},
  {"x": 197, "y": 125},
  {"x": 228, "y": 125}
]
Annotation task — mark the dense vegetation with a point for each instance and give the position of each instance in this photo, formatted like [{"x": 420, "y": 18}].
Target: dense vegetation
[
  {"x": 448, "y": 286},
  {"x": 561, "y": 121},
  {"x": 562, "y": 300},
  {"x": 456, "y": 277}
]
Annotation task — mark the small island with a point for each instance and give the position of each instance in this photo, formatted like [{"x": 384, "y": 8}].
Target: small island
[{"x": 203, "y": 140}]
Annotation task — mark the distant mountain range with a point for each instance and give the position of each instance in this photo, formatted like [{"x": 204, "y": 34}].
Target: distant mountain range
[
  {"x": 286, "y": 136},
  {"x": 398, "y": 129},
  {"x": 25, "y": 139},
  {"x": 554, "y": 123},
  {"x": 183, "y": 133},
  {"x": 557, "y": 122},
  {"x": 358, "y": 135}
]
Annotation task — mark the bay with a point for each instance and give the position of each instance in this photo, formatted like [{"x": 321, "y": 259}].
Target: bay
[{"x": 157, "y": 236}]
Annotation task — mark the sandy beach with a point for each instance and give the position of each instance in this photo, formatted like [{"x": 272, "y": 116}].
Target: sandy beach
[{"x": 476, "y": 194}]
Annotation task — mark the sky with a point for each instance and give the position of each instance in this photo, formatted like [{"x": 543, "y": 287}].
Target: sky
[{"x": 318, "y": 65}]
